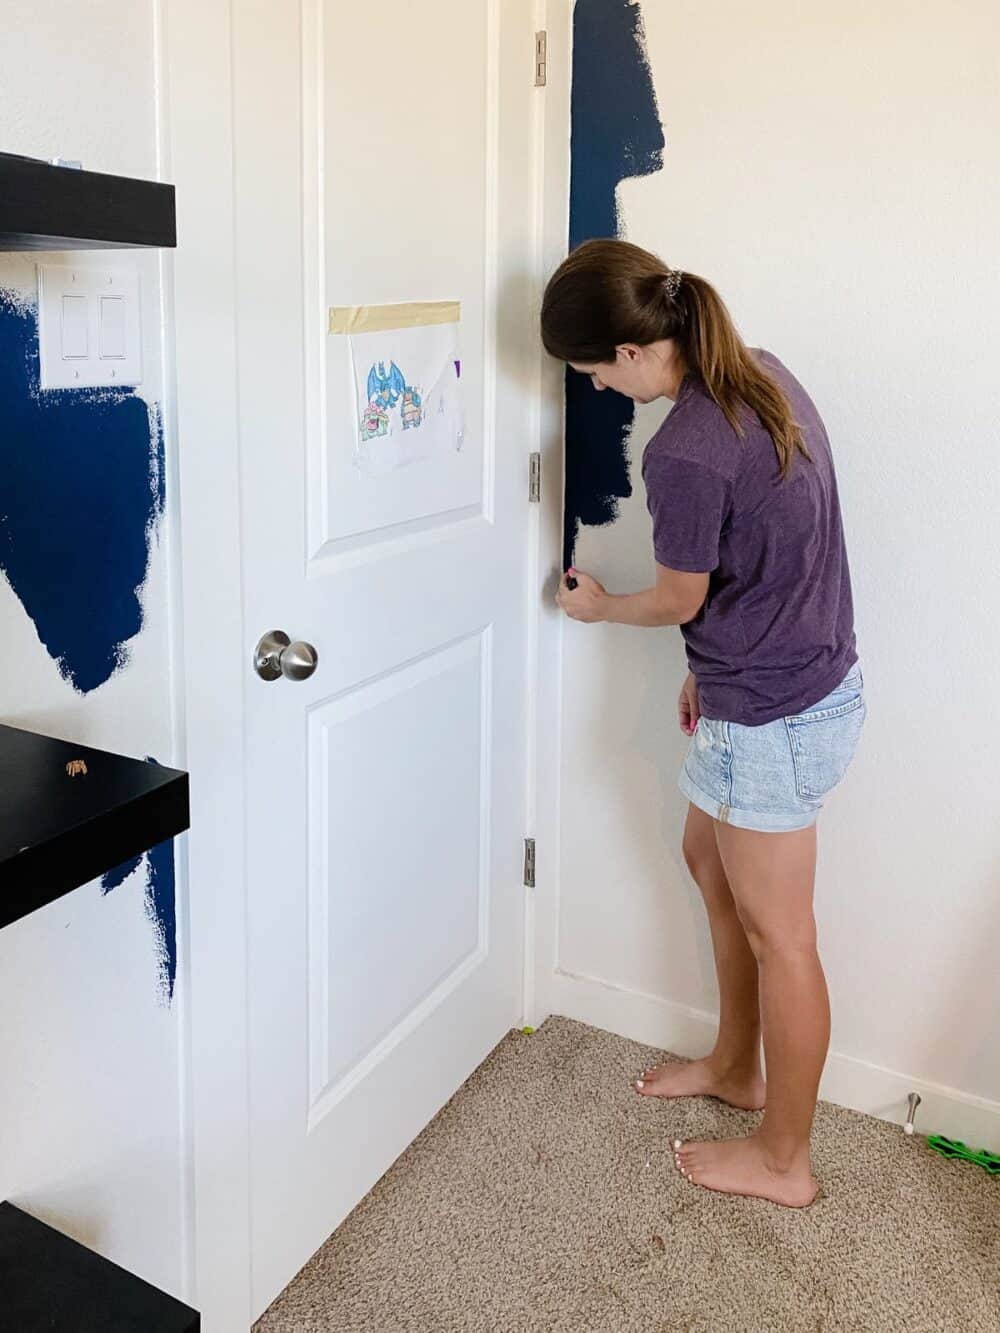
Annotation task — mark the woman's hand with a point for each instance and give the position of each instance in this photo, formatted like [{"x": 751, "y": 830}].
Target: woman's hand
[
  {"x": 586, "y": 601},
  {"x": 688, "y": 711}
]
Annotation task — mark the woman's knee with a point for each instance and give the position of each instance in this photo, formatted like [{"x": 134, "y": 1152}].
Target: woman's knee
[
  {"x": 772, "y": 878},
  {"x": 781, "y": 941}
]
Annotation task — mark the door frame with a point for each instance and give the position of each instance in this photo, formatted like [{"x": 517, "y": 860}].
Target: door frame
[
  {"x": 552, "y": 169},
  {"x": 200, "y": 288},
  {"x": 195, "y": 38}
]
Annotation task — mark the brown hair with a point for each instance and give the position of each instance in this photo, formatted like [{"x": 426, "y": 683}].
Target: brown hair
[{"x": 610, "y": 292}]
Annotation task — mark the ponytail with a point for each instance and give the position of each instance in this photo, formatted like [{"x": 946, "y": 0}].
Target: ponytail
[{"x": 713, "y": 348}]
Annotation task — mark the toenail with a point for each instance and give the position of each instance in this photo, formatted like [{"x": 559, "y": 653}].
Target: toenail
[
  {"x": 677, "y": 1143},
  {"x": 638, "y": 1083}
]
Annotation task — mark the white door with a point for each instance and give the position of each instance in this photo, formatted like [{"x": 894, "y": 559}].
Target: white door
[{"x": 382, "y": 155}]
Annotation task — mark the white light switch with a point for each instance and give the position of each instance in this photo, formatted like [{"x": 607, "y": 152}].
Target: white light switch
[
  {"x": 89, "y": 327},
  {"x": 75, "y": 340},
  {"x": 112, "y": 325}
]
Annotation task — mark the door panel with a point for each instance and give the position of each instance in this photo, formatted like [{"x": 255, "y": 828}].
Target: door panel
[
  {"x": 399, "y": 805},
  {"x": 408, "y": 193}
]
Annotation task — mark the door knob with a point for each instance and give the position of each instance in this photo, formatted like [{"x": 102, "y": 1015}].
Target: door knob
[{"x": 277, "y": 656}]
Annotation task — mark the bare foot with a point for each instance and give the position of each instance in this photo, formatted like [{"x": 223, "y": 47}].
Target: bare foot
[
  {"x": 742, "y": 1166},
  {"x": 700, "y": 1078}
]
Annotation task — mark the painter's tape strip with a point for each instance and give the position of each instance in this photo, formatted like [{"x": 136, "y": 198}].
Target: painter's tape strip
[{"x": 378, "y": 318}]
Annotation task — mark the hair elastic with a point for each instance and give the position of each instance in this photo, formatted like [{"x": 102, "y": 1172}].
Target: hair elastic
[{"x": 672, "y": 282}]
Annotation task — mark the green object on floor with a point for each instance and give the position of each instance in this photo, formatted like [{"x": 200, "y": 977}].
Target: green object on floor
[
  {"x": 527, "y": 1031},
  {"x": 989, "y": 1161}
]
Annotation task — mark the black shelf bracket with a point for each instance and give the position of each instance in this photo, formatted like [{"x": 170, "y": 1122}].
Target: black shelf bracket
[
  {"x": 52, "y": 1283},
  {"x": 45, "y": 207},
  {"x": 68, "y": 813}
]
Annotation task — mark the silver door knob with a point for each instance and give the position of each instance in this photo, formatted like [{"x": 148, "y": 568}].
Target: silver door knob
[{"x": 277, "y": 656}]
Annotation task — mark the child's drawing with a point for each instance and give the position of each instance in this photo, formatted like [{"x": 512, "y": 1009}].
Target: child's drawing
[
  {"x": 385, "y": 386},
  {"x": 409, "y": 407},
  {"x": 374, "y": 422},
  {"x": 412, "y": 410}
]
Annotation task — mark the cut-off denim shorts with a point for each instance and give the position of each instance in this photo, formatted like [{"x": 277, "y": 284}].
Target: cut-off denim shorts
[{"x": 774, "y": 778}]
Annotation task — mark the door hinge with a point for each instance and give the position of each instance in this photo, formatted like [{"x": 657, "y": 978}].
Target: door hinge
[
  {"x": 541, "y": 43},
  {"x": 529, "y": 863},
  {"x": 535, "y": 478}
]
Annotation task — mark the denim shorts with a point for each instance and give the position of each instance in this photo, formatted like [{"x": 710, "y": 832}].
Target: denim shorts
[{"x": 774, "y": 778}]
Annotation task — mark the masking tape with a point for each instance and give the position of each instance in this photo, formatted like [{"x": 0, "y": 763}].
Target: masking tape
[{"x": 377, "y": 318}]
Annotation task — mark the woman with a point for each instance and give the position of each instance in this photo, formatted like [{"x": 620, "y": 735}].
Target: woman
[{"x": 751, "y": 564}]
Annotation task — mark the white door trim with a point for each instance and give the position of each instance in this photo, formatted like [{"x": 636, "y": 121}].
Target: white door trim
[
  {"x": 552, "y": 228},
  {"x": 197, "y": 70}
]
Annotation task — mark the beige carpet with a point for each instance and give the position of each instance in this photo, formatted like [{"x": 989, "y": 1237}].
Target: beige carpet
[{"x": 542, "y": 1197}]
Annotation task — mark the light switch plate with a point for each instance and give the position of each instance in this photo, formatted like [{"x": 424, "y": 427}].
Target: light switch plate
[{"x": 89, "y": 327}]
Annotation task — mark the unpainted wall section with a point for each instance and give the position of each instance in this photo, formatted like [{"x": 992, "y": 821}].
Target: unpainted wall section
[{"x": 832, "y": 172}]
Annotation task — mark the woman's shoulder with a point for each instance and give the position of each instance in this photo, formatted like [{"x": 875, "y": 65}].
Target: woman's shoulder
[
  {"x": 768, "y": 359},
  {"x": 779, "y": 371},
  {"x": 803, "y": 407},
  {"x": 695, "y": 430}
]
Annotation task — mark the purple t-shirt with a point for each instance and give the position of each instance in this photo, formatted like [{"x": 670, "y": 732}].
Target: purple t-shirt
[{"x": 776, "y": 633}]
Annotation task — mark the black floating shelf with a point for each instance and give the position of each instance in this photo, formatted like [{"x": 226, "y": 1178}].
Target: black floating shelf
[
  {"x": 43, "y": 207},
  {"x": 53, "y": 1283},
  {"x": 58, "y": 830}
]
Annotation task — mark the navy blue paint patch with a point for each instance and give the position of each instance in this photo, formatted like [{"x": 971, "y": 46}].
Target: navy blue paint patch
[
  {"x": 112, "y": 878},
  {"x": 161, "y": 903},
  {"x": 82, "y": 485},
  {"x": 616, "y": 134},
  {"x": 81, "y": 489}
]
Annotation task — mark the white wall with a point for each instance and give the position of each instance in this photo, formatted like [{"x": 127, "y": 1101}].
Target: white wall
[
  {"x": 834, "y": 172},
  {"x": 91, "y": 1115}
]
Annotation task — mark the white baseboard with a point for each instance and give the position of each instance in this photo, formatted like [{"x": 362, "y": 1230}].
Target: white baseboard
[{"x": 846, "y": 1081}]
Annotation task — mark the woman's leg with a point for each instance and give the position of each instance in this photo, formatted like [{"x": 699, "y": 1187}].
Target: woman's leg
[
  {"x": 732, "y": 1070},
  {"x": 772, "y": 876}
]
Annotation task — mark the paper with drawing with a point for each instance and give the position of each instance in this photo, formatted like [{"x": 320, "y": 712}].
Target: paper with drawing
[{"x": 407, "y": 388}]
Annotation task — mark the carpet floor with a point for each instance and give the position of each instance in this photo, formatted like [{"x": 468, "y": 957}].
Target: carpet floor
[{"x": 543, "y": 1197}]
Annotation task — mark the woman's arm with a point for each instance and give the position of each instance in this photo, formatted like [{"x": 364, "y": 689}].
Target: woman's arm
[{"x": 676, "y": 598}]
